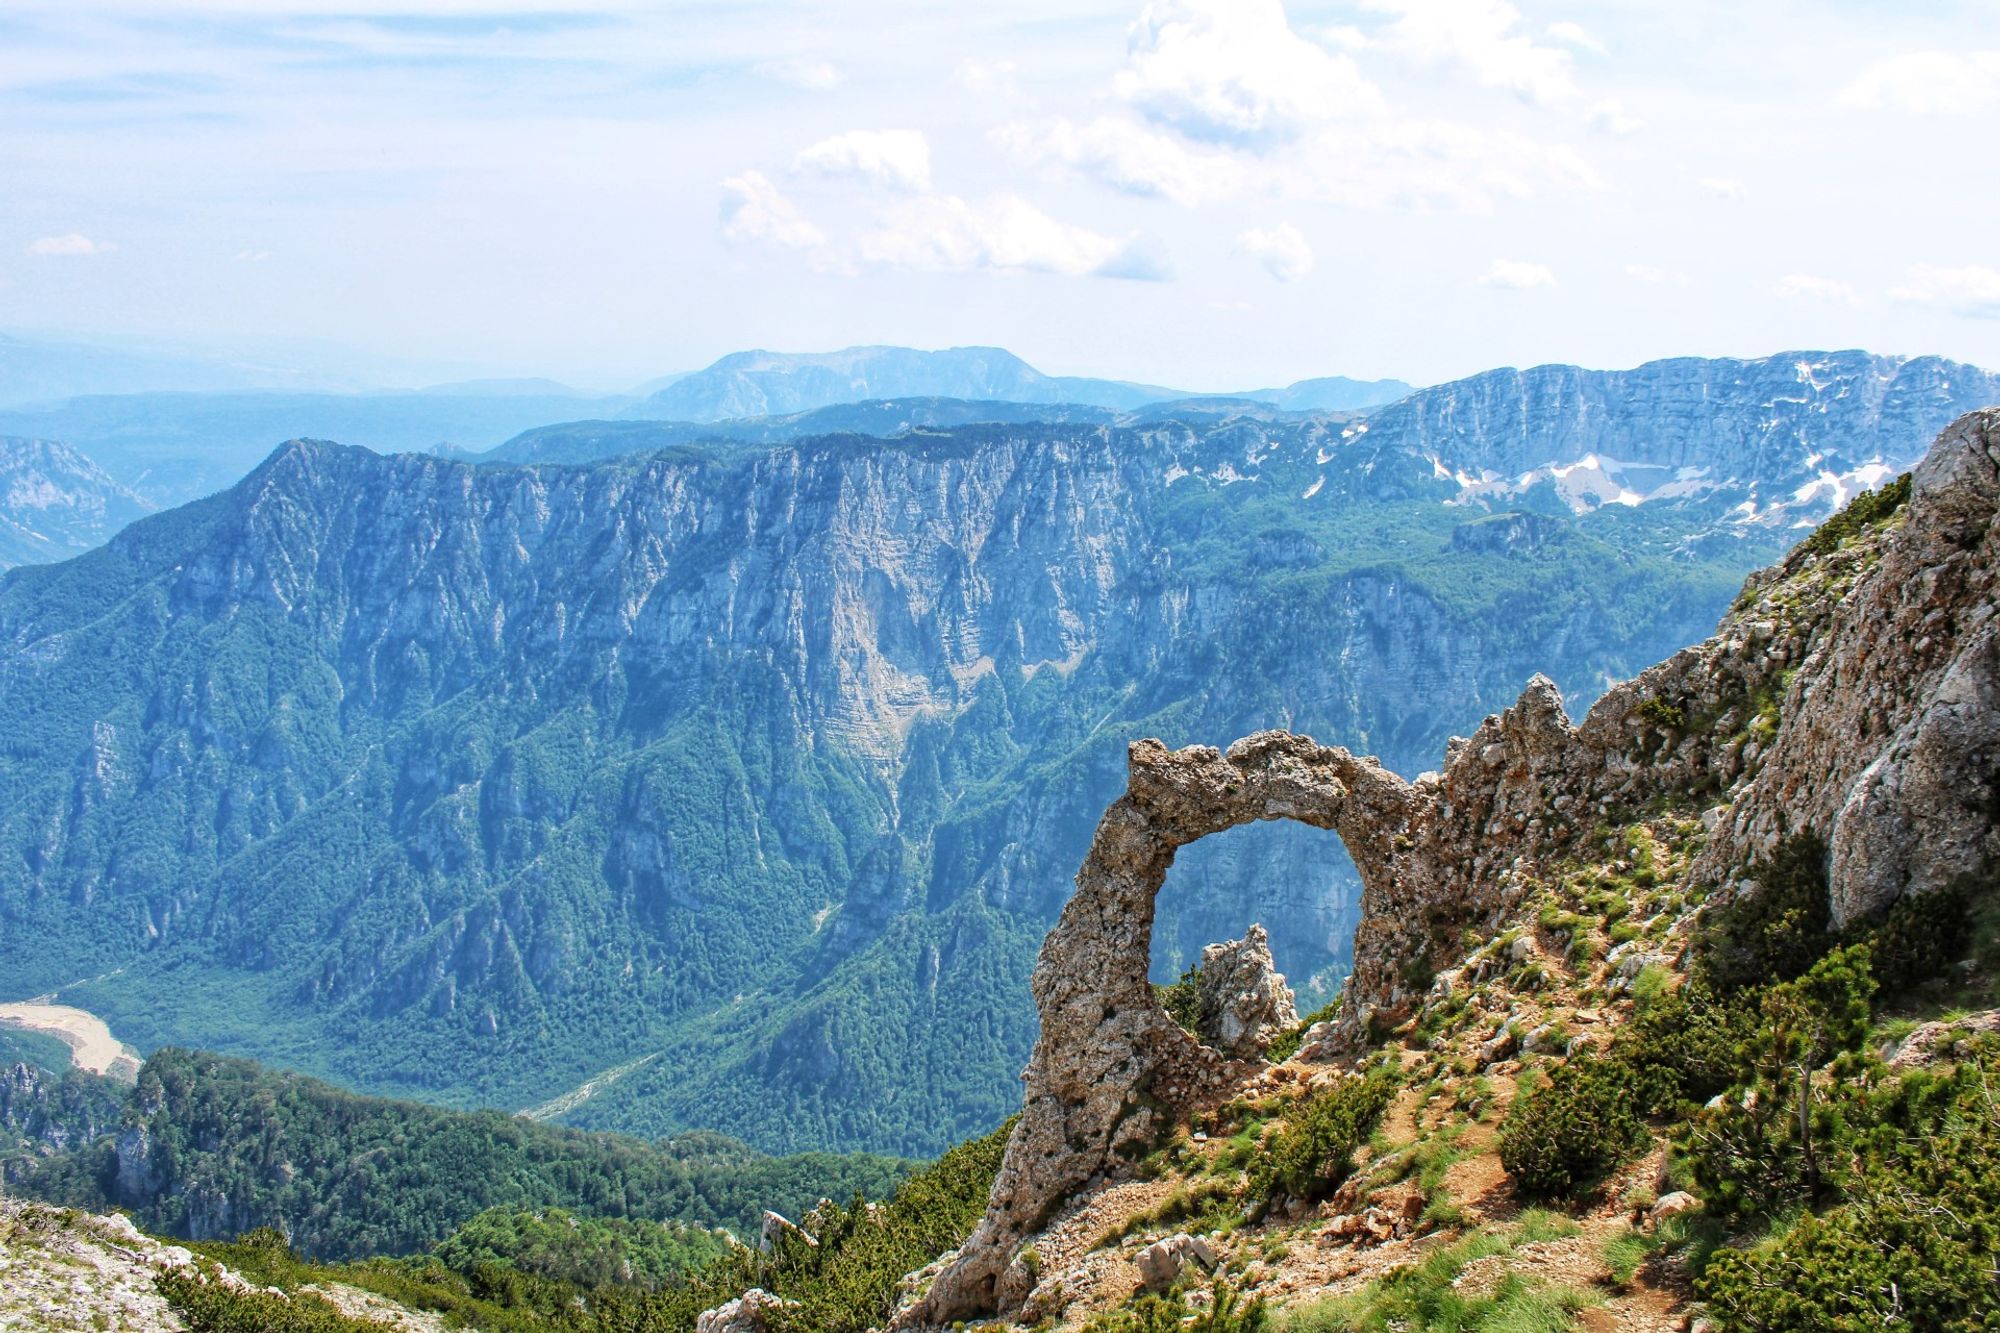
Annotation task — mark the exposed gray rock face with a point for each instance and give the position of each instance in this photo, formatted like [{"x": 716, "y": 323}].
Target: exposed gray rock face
[
  {"x": 49, "y": 1113},
  {"x": 1797, "y": 423},
  {"x": 1108, "y": 1058},
  {"x": 1244, "y": 999},
  {"x": 748, "y": 1313},
  {"x": 1162, "y": 1262},
  {"x": 1894, "y": 747},
  {"x": 1887, "y": 645},
  {"x": 56, "y": 503}
]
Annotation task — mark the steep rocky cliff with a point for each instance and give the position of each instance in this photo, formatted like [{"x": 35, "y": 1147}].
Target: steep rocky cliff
[{"x": 481, "y": 782}]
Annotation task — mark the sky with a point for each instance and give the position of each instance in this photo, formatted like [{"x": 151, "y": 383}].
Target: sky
[{"x": 1207, "y": 194}]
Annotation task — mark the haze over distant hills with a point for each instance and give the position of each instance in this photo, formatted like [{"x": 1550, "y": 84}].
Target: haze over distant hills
[
  {"x": 766, "y": 384},
  {"x": 170, "y": 427},
  {"x": 477, "y": 780}
]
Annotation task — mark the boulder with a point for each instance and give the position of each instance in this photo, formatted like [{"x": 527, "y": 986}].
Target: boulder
[
  {"x": 1161, "y": 1263},
  {"x": 1673, "y": 1205}
]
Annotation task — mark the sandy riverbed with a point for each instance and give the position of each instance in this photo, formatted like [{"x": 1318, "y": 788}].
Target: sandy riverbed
[{"x": 91, "y": 1045}]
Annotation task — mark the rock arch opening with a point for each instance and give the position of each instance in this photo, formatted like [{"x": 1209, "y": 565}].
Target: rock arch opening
[
  {"x": 1110, "y": 1068},
  {"x": 1294, "y": 880}
]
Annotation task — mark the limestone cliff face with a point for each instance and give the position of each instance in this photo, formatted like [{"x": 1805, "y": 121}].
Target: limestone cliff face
[
  {"x": 1799, "y": 422},
  {"x": 55, "y": 503},
  {"x": 1852, "y": 691},
  {"x": 497, "y": 777}
]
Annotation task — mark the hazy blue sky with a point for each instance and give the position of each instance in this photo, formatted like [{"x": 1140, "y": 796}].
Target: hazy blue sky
[{"x": 1207, "y": 193}]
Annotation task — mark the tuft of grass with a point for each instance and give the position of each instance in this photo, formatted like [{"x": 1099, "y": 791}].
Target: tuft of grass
[
  {"x": 1426, "y": 1298},
  {"x": 1626, "y": 1253}
]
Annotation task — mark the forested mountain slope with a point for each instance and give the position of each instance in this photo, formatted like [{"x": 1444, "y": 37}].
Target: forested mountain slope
[{"x": 474, "y": 782}]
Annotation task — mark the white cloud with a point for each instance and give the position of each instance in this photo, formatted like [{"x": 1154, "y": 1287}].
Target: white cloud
[
  {"x": 1815, "y": 290},
  {"x": 1235, "y": 72},
  {"x": 252, "y": 256},
  {"x": 753, "y": 209},
  {"x": 1281, "y": 249},
  {"x": 946, "y": 233},
  {"x": 1127, "y": 157},
  {"x": 1575, "y": 34},
  {"x": 1516, "y": 276},
  {"x": 71, "y": 245},
  {"x": 1654, "y": 276},
  {"x": 1928, "y": 83},
  {"x": 1723, "y": 187},
  {"x": 1425, "y": 164},
  {"x": 805, "y": 72},
  {"x": 1480, "y": 38},
  {"x": 1972, "y": 291},
  {"x": 986, "y": 76},
  {"x": 899, "y": 159},
  {"x": 1610, "y": 116}
]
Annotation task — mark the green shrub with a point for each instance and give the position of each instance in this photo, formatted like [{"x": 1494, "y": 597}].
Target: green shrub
[
  {"x": 1182, "y": 1001},
  {"x": 1314, "y": 1152},
  {"x": 1917, "y": 936},
  {"x": 590, "y": 1252},
  {"x": 1286, "y": 1044},
  {"x": 1912, "y": 1247},
  {"x": 1661, "y": 713},
  {"x": 1685, "y": 1044},
  {"x": 1777, "y": 932},
  {"x": 206, "y": 1305},
  {"x": 1765, "y": 1149},
  {"x": 1863, "y": 511},
  {"x": 1225, "y": 1312},
  {"x": 1560, "y": 1138}
]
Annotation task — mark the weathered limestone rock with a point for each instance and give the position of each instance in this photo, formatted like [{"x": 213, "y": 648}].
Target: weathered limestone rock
[
  {"x": 776, "y": 1229},
  {"x": 1160, "y": 1263},
  {"x": 1110, "y": 1066},
  {"x": 1673, "y": 1205},
  {"x": 1884, "y": 668},
  {"x": 748, "y": 1313},
  {"x": 1936, "y": 1041},
  {"x": 1244, "y": 999}
]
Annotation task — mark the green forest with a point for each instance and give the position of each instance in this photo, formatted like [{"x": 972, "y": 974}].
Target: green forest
[{"x": 214, "y": 1146}]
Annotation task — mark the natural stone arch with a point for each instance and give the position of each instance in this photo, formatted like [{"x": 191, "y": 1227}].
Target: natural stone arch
[{"x": 1110, "y": 1069}]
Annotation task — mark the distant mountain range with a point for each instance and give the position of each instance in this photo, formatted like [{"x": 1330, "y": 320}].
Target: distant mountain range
[
  {"x": 488, "y": 781},
  {"x": 776, "y": 384},
  {"x": 168, "y": 446}
]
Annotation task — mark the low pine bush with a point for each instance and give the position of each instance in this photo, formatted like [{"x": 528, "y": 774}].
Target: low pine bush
[
  {"x": 1563, "y": 1136},
  {"x": 1314, "y": 1152}
]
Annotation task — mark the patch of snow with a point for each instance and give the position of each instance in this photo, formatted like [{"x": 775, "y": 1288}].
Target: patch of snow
[{"x": 1313, "y": 489}]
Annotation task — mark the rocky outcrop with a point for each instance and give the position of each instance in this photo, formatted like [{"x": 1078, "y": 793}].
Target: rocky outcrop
[
  {"x": 749, "y": 1313},
  {"x": 1852, "y": 690},
  {"x": 1891, "y": 747},
  {"x": 1244, "y": 999},
  {"x": 1110, "y": 1067}
]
